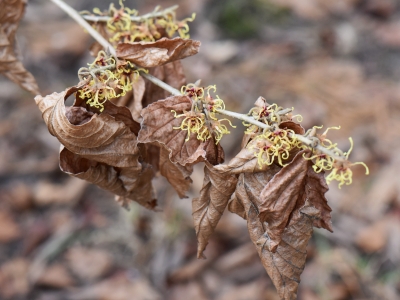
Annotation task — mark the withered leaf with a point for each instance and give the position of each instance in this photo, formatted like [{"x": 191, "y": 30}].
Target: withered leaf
[
  {"x": 152, "y": 54},
  {"x": 10, "y": 14},
  {"x": 158, "y": 127},
  {"x": 178, "y": 176},
  {"x": 316, "y": 187},
  {"x": 244, "y": 162},
  {"x": 209, "y": 207},
  {"x": 138, "y": 87},
  {"x": 287, "y": 192},
  {"x": 254, "y": 183},
  {"x": 105, "y": 138},
  {"x": 297, "y": 128},
  {"x": 280, "y": 196},
  {"x": 287, "y": 263},
  {"x": 102, "y": 150}
]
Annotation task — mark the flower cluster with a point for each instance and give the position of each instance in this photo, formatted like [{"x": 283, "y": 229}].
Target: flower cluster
[
  {"x": 270, "y": 115},
  {"x": 274, "y": 145},
  {"x": 337, "y": 162},
  {"x": 107, "y": 78},
  {"x": 124, "y": 24},
  {"x": 202, "y": 120}
]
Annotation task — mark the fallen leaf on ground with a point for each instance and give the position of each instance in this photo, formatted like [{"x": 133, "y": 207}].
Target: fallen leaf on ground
[
  {"x": 69, "y": 192},
  {"x": 374, "y": 237},
  {"x": 9, "y": 229},
  {"x": 56, "y": 276},
  {"x": 152, "y": 54},
  {"x": 88, "y": 264},
  {"x": 208, "y": 208},
  {"x": 10, "y": 15},
  {"x": 119, "y": 287},
  {"x": 14, "y": 279}
]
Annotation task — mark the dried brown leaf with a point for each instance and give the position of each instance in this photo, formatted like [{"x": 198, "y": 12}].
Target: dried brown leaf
[
  {"x": 254, "y": 183},
  {"x": 208, "y": 208},
  {"x": 88, "y": 264},
  {"x": 287, "y": 263},
  {"x": 106, "y": 138},
  {"x": 279, "y": 197},
  {"x": 152, "y": 54},
  {"x": 178, "y": 176},
  {"x": 244, "y": 162},
  {"x": 133, "y": 183},
  {"x": 287, "y": 192},
  {"x": 316, "y": 188},
  {"x": 297, "y": 128},
  {"x": 10, "y": 15},
  {"x": 138, "y": 87},
  {"x": 158, "y": 127},
  {"x": 102, "y": 150}
]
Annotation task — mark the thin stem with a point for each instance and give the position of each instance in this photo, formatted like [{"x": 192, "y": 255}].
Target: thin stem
[
  {"x": 153, "y": 14},
  {"x": 77, "y": 17},
  {"x": 161, "y": 84},
  {"x": 242, "y": 117}
]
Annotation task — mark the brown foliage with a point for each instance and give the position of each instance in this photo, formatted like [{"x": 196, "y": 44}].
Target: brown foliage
[
  {"x": 178, "y": 176},
  {"x": 102, "y": 150},
  {"x": 287, "y": 263},
  {"x": 10, "y": 14},
  {"x": 152, "y": 54},
  {"x": 208, "y": 208},
  {"x": 243, "y": 162},
  {"x": 158, "y": 127}
]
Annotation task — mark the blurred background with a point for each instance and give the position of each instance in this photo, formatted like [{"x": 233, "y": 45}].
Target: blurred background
[{"x": 336, "y": 62}]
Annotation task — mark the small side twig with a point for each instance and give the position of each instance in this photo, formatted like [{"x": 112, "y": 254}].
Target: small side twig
[{"x": 153, "y": 14}]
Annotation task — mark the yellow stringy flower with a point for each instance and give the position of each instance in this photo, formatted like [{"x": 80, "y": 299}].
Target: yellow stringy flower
[
  {"x": 273, "y": 145},
  {"x": 207, "y": 105},
  {"x": 220, "y": 129},
  {"x": 121, "y": 28},
  {"x": 341, "y": 169},
  {"x": 108, "y": 79},
  {"x": 192, "y": 123}
]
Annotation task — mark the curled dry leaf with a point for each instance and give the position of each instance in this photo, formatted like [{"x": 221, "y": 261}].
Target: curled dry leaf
[
  {"x": 178, "y": 176},
  {"x": 102, "y": 150},
  {"x": 280, "y": 196},
  {"x": 209, "y": 207},
  {"x": 158, "y": 127},
  {"x": 244, "y": 162},
  {"x": 287, "y": 263},
  {"x": 152, "y": 54},
  {"x": 10, "y": 14}
]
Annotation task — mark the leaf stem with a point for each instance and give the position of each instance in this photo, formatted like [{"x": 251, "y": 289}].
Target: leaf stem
[{"x": 153, "y": 14}]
